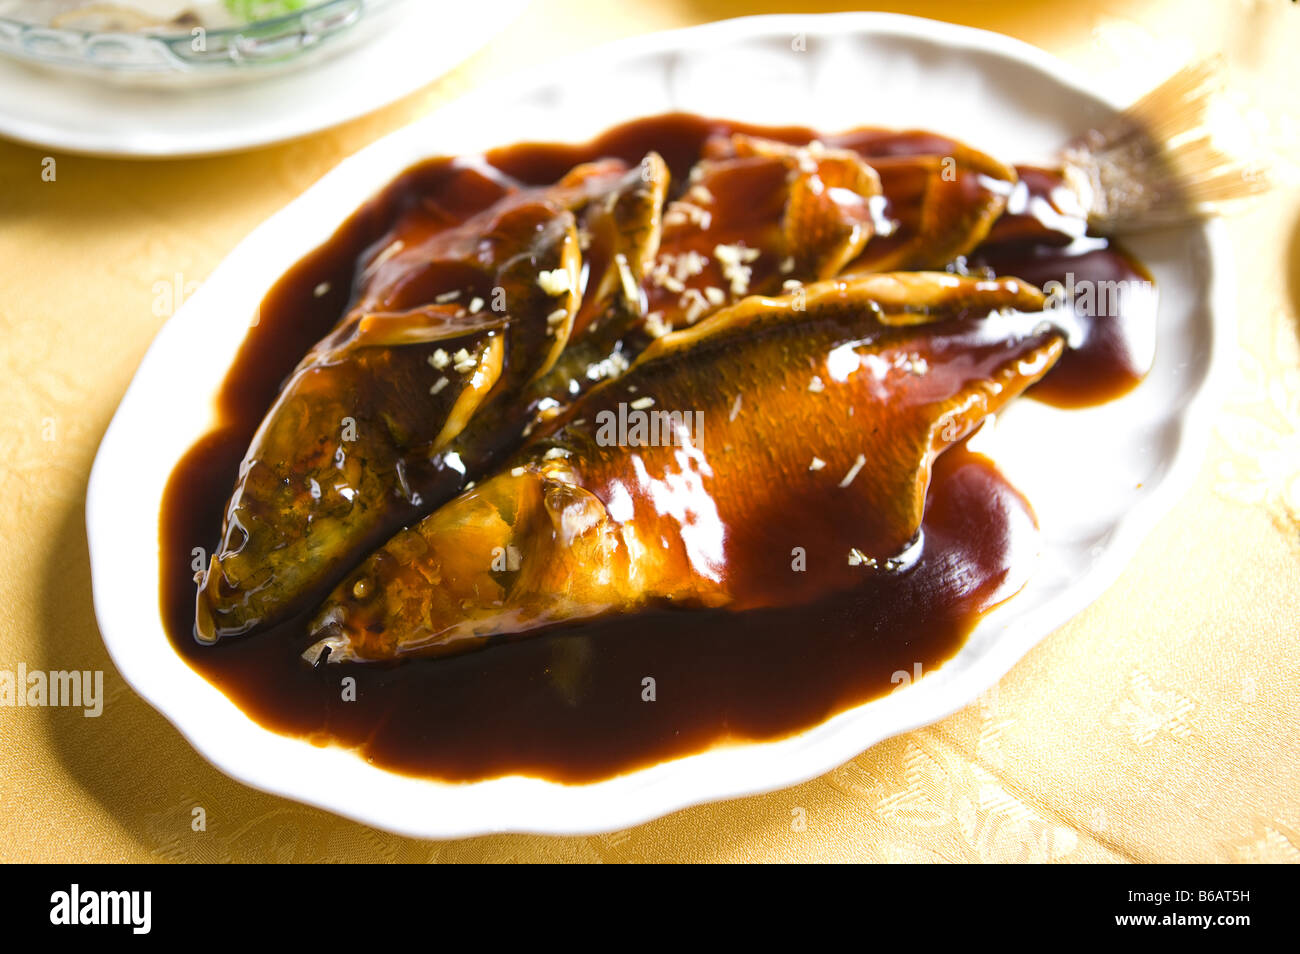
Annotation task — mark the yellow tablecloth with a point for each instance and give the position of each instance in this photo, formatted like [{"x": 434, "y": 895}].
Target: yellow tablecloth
[{"x": 1160, "y": 724}]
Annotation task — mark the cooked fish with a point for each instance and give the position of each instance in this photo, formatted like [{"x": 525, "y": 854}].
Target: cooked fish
[
  {"x": 332, "y": 462},
  {"x": 940, "y": 208},
  {"x": 672, "y": 485},
  {"x": 360, "y": 438},
  {"x": 755, "y": 214}
]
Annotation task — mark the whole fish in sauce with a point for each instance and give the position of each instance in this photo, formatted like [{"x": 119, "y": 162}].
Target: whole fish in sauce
[
  {"x": 844, "y": 393},
  {"x": 765, "y": 565},
  {"x": 372, "y": 433}
]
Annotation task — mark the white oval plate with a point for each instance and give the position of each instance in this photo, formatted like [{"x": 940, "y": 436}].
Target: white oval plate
[
  {"x": 413, "y": 44},
  {"x": 1098, "y": 478}
]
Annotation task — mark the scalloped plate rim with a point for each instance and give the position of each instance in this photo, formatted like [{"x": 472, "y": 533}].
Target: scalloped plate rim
[{"x": 648, "y": 793}]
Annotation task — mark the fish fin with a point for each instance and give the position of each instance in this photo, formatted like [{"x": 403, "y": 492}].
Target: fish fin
[{"x": 1159, "y": 162}]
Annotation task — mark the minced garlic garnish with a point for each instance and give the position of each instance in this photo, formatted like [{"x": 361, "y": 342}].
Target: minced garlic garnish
[
  {"x": 463, "y": 361},
  {"x": 853, "y": 471},
  {"x": 682, "y": 212},
  {"x": 735, "y": 261},
  {"x": 655, "y": 325},
  {"x": 700, "y": 193},
  {"x": 554, "y": 282}
]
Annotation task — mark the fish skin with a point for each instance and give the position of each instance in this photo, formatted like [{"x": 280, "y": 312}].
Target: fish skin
[
  {"x": 281, "y": 547},
  {"x": 793, "y": 220},
  {"x": 574, "y": 527},
  {"x": 328, "y": 473},
  {"x": 631, "y": 226},
  {"x": 958, "y": 197},
  {"x": 829, "y": 215},
  {"x": 799, "y": 213}
]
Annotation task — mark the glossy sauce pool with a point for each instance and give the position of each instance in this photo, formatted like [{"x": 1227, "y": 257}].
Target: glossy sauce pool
[{"x": 572, "y": 704}]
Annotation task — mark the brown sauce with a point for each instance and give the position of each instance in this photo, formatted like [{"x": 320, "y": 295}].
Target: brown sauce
[
  {"x": 1110, "y": 298},
  {"x": 568, "y": 704}
]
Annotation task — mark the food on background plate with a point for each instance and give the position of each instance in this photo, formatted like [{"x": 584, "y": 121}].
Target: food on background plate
[{"x": 124, "y": 16}]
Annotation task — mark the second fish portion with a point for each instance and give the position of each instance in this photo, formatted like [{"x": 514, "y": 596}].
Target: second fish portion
[{"x": 699, "y": 477}]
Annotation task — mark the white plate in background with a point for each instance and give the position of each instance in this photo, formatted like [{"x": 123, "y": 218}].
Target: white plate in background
[
  {"x": 1098, "y": 478},
  {"x": 415, "y": 44}
]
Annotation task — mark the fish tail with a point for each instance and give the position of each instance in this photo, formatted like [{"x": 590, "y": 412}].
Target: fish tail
[{"x": 1167, "y": 159}]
